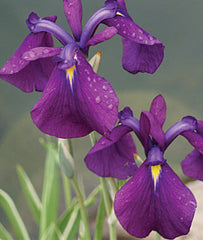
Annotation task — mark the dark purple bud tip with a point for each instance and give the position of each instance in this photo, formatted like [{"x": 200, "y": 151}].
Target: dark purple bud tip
[
  {"x": 125, "y": 113},
  {"x": 33, "y": 19}
]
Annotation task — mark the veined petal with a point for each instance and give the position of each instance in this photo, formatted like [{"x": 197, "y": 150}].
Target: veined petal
[
  {"x": 70, "y": 107},
  {"x": 158, "y": 109},
  {"x": 155, "y": 128},
  {"x": 40, "y": 52},
  {"x": 200, "y": 127},
  {"x": 25, "y": 74},
  {"x": 175, "y": 205},
  {"x": 195, "y": 140},
  {"x": 192, "y": 165},
  {"x": 102, "y": 36},
  {"x": 145, "y": 131},
  {"x": 113, "y": 157},
  {"x": 141, "y": 57},
  {"x": 98, "y": 101},
  {"x": 167, "y": 208},
  {"x": 134, "y": 203},
  {"x": 73, "y": 12},
  {"x": 141, "y": 51},
  {"x": 56, "y": 112}
]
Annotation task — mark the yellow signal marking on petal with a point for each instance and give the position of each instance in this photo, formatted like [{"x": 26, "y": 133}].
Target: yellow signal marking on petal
[
  {"x": 69, "y": 74},
  {"x": 155, "y": 173},
  {"x": 120, "y": 14}
]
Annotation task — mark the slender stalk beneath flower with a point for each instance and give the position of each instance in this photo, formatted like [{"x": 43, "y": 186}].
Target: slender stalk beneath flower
[
  {"x": 82, "y": 209},
  {"x": 108, "y": 207},
  {"x": 67, "y": 191},
  {"x": 107, "y": 202}
]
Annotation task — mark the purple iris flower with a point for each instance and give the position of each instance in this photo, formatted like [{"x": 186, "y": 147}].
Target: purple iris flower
[
  {"x": 154, "y": 198},
  {"x": 75, "y": 100},
  {"x": 141, "y": 51}
]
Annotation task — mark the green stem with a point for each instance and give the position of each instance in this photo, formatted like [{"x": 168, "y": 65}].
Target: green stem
[
  {"x": 108, "y": 207},
  {"x": 82, "y": 209},
  {"x": 67, "y": 191}
]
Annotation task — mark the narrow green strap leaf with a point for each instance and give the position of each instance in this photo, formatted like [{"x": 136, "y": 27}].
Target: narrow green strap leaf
[
  {"x": 100, "y": 220},
  {"x": 4, "y": 234},
  {"x": 73, "y": 225},
  {"x": 12, "y": 213},
  {"x": 65, "y": 158},
  {"x": 50, "y": 191},
  {"x": 30, "y": 194}
]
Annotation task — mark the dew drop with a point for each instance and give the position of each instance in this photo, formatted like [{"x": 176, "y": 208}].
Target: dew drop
[
  {"x": 151, "y": 38},
  {"x": 3, "y": 69},
  {"x": 103, "y": 142},
  {"x": 124, "y": 32},
  {"x": 110, "y": 106},
  {"x": 106, "y": 96},
  {"x": 94, "y": 80},
  {"x": 89, "y": 79},
  {"x": 11, "y": 72},
  {"x": 13, "y": 65},
  {"x": 133, "y": 34},
  {"x": 181, "y": 219},
  {"x": 118, "y": 25},
  {"x": 95, "y": 90},
  {"x": 140, "y": 37},
  {"x": 90, "y": 85},
  {"x": 98, "y": 99},
  {"x": 104, "y": 87},
  {"x": 111, "y": 91},
  {"x": 32, "y": 54},
  {"x": 45, "y": 51}
]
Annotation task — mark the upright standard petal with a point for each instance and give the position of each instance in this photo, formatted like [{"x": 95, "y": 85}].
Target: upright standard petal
[
  {"x": 155, "y": 199},
  {"x": 158, "y": 109},
  {"x": 73, "y": 12},
  {"x": 75, "y": 102},
  {"x": 113, "y": 157},
  {"x": 26, "y": 74},
  {"x": 192, "y": 165},
  {"x": 141, "y": 51},
  {"x": 155, "y": 128}
]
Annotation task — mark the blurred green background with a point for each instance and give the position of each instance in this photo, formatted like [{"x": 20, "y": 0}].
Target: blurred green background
[{"x": 178, "y": 24}]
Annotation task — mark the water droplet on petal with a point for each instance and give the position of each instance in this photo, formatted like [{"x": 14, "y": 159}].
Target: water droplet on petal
[
  {"x": 11, "y": 72},
  {"x": 46, "y": 51},
  {"x": 89, "y": 79},
  {"x": 90, "y": 85},
  {"x": 94, "y": 80},
  {"x": 3, "y": 69},
  {"x": 104, "y": 87},
  {"x": 110, "y": 106},
  {"x": 140, "y": 37},
  {"x": 98, "y": 99},
  {"x": 103, "y": 142},
  {"x": 133, "y": 34}
]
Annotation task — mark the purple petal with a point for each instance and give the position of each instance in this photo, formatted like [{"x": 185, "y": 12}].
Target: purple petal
[
  {"x": 74, "y": 107},
  {"x": 192, "y": 165},
  {"x": 158, "y": 109},
  {"x": 40, "y": 52},
  {"x": 113, "y": 157},
  {"x": 168, "y": 209},
  {"x": 141, "y": 57},
  {"x": 25, "y": 74},
  {"x": 134, "y": 204},
  {"x": 141, "y": 51},
  {"x": 102, "y": 36},
  {"x": 195, "y": 140},
  {"x": 200, "y": 127},
  {"x": 73, "y": 11},
  {"x": 145, "y": 131},
  {"x": 155, "y": 128},
  {"x": 175, "y": 205}
]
